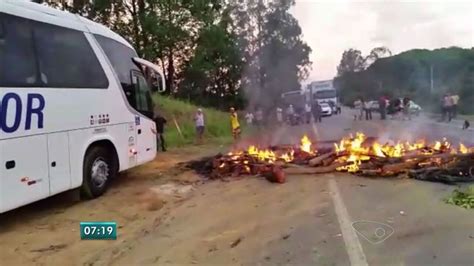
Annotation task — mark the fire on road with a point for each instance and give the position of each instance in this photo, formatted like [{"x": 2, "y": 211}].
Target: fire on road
[{"x": 307, "y": 220}]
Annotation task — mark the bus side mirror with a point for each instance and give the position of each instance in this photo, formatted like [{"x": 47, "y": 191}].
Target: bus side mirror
[{"x": 159, "y": 82}]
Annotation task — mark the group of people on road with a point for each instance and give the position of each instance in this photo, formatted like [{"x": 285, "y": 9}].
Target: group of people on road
[
  {"x": 402, "y": 109},
  {"x": 397, "y": 108},
  {"x": 255, "y": 119},
  {"x": 362, "y": 107},
  {"x": 449, "y": 106},
  {"x": 301, "y": 115},
  {"x": 291, "y": 115}
]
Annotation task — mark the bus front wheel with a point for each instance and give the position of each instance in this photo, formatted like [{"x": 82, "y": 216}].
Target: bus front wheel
[{"x": 98, "y": 170}]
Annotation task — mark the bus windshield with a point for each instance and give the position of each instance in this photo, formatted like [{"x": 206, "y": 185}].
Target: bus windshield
[
  {"x": 325, "y": 94},
  {"x": 135, "y": 87}
]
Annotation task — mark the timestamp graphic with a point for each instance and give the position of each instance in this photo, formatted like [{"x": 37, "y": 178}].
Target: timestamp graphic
[{"x": 98, "y": 230}]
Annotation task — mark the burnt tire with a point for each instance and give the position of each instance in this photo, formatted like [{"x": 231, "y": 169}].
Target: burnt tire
[{"x": 98, "y": 169}]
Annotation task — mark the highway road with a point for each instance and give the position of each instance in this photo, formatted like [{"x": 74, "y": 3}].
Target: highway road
[{"x": 332, "y": 219}]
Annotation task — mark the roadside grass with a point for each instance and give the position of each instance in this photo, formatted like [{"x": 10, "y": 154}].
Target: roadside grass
[
  {"x": 462, "y": 197},
  {"x": 181, "y": 113}
]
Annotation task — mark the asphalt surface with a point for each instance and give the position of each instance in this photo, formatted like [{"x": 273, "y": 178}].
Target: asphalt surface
[
  {"x": 332, "y": 219},
  {"x": 335, "y": 127}
]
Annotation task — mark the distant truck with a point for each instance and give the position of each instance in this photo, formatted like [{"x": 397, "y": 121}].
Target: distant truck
[{"x": 324, "y": 92}]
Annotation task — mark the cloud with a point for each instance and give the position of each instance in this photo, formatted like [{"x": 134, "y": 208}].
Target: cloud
[{"x": 330, "y": 27}]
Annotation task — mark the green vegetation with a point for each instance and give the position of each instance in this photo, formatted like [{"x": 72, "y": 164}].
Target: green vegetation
[
  {"x": 463, "y": 198},
  {"x": 409, "y": 74},
  {"x": 217, "y": 122}
]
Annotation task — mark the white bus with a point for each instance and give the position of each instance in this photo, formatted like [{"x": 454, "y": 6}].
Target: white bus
[{"x": 75, "y": 106}]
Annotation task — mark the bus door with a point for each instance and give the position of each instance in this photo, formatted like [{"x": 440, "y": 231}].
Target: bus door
[
  {"x": 58, "y": 162},
  {"x": 145, "y": 136}
]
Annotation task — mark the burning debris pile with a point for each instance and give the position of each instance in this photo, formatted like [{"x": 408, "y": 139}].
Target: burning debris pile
[
  {"x": 255, "y": 161},
  {"x": 439, "y": 161}
]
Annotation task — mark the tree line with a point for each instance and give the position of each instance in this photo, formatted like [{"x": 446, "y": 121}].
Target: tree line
[
  {"x": 420, "y": 74},
  {"x": 216, "y": 53}
]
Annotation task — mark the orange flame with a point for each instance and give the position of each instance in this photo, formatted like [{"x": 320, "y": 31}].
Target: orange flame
[
  {"x": 394, "y": 151},
  {"x": 287, "y": 157},
  {"x": 437, "y": 146},
  {"x": 305, "y": 144},
  {"x": 263, "y": 155},
  {"x": 268, "y": 155},
  {"x": 377, "y": 149},
  {"x": 463, "y": 149},
  {"x": 357, "y": 153},
  {"x": 353, "y": 150}
]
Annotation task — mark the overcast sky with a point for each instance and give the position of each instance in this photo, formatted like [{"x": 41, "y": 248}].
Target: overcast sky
[{"x": 330, "y": 27}]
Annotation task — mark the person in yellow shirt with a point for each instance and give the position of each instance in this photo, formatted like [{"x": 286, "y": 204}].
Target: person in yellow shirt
[{"x": 234, "y": 122}]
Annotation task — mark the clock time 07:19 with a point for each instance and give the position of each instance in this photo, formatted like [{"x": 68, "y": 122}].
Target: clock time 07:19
[{"x": 98, "y": 230}]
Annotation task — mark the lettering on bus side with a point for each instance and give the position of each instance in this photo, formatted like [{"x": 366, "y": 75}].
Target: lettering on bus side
[{"x": 11, "y": 102}]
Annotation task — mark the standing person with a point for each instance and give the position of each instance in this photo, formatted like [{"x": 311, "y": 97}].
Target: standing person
[
  {"x": 406, "y": 108},
  {"x": 383, "y": 108},
  {"x": 249, "y": 118},
  {"x": 259, "y": 117},
  {"x": 447, "y": 107},
  {"x": 368, "y": 109},
  {"x": 317, "y": 112},
  {"x": 450, "y": 107},
  {"x": 290, "y": 113},
  {"x": 396, "y": 108},
  {"x": 160, "y": 122},
  {"x": 199, "y": 121},
  {"x": 442, "y": 108},
  {"x": 234, "y": 123},
  {"x": 338, "y": 108},
  {"x": 307, "y": 109},
  {"x": 400, "y": 108},
  {"x": 454, "y": 107},
  {"x": 279, "y": 115},
  {"x": 361, "y": 108},
  {"x": 358, "y": 109}
]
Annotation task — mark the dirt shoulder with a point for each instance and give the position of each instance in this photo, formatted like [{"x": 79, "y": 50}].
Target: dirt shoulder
[
  {"x": 246, "y": 222},
  {"x": 47, "y": 232}
]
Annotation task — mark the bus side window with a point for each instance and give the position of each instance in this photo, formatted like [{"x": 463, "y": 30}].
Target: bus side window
[
  {"x": 66, "y": 59},
  {"x": 18, "y": 66}
]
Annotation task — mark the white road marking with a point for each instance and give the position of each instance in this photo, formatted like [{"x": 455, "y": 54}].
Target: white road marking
[{"x": 353, "y": 246}]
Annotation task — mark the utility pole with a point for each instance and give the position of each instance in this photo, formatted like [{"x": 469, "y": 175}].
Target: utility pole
[
  {"x": 261, "y": 70},
  {"x": 431, "y": 79}
]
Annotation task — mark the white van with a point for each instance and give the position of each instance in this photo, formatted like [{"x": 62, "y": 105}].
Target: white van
[{"x": 75, "y": 107}]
